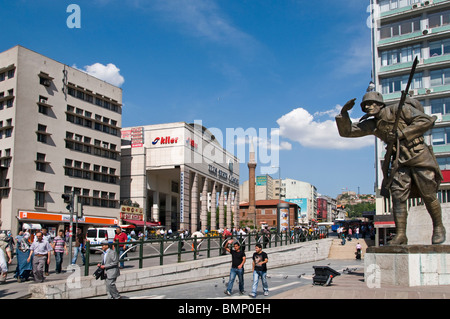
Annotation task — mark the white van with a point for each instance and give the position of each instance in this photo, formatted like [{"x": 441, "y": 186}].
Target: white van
[{"x": 96, "y": 235}]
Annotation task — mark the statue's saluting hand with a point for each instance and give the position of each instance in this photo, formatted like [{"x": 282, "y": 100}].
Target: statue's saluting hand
[{"x": 348, "y": 106}]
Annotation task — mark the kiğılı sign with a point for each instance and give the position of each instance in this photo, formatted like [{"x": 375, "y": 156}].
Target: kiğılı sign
[{"x": 164, "y": 140}]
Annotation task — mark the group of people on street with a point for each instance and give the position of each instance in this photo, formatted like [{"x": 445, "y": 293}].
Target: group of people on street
[
  {"x": 349, "y": 232},
  {"x": 33, "y": 253},
  {"x": 259, "y": 268}
]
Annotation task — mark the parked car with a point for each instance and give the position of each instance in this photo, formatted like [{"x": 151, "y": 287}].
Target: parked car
[{"x": 96, "y": 235}]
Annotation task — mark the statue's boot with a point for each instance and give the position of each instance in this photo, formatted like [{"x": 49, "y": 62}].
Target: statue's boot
[
  {"x": 400, "y": 217},
  {"x": 435, "y": 211}
]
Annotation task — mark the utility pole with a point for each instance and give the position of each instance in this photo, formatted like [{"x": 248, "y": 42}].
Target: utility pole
[{"x": 69, "y": 199}]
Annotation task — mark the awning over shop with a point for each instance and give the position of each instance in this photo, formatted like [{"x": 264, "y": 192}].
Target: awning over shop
[
  {"x": 31, "y": 226},
  {"x": 141, "y": 223},
  {"x": 383, "y": 221},
  {"x": 65, "y": 218},
  {"x": 127, "y": 226}
]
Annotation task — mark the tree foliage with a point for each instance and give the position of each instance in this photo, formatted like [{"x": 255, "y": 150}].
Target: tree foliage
[{"x": 358, "y": 209}]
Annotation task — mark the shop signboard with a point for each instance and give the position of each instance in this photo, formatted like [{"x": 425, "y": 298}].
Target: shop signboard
[
  {"x": 135, "y": 135},
  {"x": 131, "y": 212},
  {"x": 302, "y": 204},
  {"x": 181, "y": 197},
  {"x": 261, "y": 180},
  {"x": 283, "y": 217}
]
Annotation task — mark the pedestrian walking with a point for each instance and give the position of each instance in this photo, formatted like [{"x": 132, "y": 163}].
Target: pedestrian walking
[
  {"x": 260, "y": 261},
  {"x": 24, "y": 267},
  {"x": 358, "y": 251},
  {"x": 5, "y": 257},
  {"x": 121, "y": 237},
  {"x": 46, "y": 237},
  {"x": 237, "y": 266},
  {"x": 110, "y": 263},
  {"x": 80, "y": 243},
  {"x": 40, "y": 251},
  {"x": 59, "y": 248}
]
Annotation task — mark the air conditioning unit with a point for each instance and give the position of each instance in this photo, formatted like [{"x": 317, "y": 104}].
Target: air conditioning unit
[
  {"x": 413, "y": 92},
  {"x": 428, "y": 2},
  {"x": 416, "y": 5},
  {"x": 425, "y": 31},
  {"x": 43, "y": 101},
  {"x": 428, "y": 91},
  {"x": 438, "y": 117}
]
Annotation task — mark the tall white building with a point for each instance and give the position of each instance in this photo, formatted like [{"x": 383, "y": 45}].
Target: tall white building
[
  {"x": 169, "y": 169},
  {"x": 402, "y": 30},
  {"x": 59, "y": 133},
  {"x": 304, "y": 195}
]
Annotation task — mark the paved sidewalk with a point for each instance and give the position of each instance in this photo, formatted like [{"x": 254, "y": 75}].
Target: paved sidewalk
[{"x": 351, "y": 285}]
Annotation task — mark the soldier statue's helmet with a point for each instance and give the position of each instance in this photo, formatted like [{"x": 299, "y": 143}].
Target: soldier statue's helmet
[{"x": 372, "y": 97}]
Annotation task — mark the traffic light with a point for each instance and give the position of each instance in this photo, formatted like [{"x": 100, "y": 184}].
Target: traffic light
[
  {"x": 67, "y": 198},
  {"x": 77, "y": 207}
]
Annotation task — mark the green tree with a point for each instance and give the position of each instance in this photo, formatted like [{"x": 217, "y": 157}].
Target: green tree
[{"x": 358, "y": 209}]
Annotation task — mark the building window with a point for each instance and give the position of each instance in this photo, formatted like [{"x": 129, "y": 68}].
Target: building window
[
  {"x": 440, "y": 136},
  {"x": 5, "y": 188},
  {"x": 440, "y": 77},
  {"x": 400, "y": 28},
  {"x": 438, "y": 48},
  {"x": 11, "y": 73},
  {"x": 443, "y": 162},
  {"x": 387, "y": 5},
  {"x": 397, "y": 84},
  {"x": 39, "y": 195},
  {"x": 400, "y": 55},
  {"x": 439, "y": 19},
  {"x": 42, "y": 133},
  {"x": 41, "y": 164},
  {"x": 441, "y": 106}
]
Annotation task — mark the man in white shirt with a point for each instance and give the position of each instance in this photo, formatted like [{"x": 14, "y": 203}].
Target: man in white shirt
[{"x": 41, "y": 249}]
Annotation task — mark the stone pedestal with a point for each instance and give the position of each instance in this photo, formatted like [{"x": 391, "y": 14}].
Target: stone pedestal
[{"x": 409, "y": 265}]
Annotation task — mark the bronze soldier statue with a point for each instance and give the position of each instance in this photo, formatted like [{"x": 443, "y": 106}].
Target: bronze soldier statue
[{"x": 416, "y": 173}]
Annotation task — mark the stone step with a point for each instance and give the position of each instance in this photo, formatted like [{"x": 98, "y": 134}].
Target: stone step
[{"x": 347, "y": 251}]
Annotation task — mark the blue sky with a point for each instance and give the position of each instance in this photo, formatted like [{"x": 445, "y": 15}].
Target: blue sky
[{"x": 285, "y": 66}]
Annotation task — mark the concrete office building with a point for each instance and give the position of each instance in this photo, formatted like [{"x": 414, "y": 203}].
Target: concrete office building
[
  {"x": 59, "y": 133},
  {"x": 303, "y": 194},
  {"x": 402, "y": 30},
  {"x": 169, "y": 169},
  {"x": 263, "y": 188}
]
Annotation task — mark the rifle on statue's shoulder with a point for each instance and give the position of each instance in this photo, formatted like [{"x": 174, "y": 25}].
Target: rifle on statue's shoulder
[{"x": 389, "y": 162}]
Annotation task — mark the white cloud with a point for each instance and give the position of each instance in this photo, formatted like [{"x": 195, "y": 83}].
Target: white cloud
[
  {"x": 108, "y": 73},
  {"x": 271, "y": 143},
  {"x": 302, "y": 127},
  {"x": 204, "y": 19}
]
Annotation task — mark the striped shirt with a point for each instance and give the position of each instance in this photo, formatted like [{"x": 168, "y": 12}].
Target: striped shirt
[{"x": 59, "y": 243}]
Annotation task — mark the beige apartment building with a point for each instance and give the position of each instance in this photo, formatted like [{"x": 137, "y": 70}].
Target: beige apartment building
[{"x": 59, "y": 133}]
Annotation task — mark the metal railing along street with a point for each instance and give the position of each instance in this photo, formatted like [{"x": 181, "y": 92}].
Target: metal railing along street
[{"x": 178, "y": 249}]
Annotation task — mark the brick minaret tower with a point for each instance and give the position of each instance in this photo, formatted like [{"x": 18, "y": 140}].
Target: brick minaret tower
[{"x": 252, "y": 183}]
